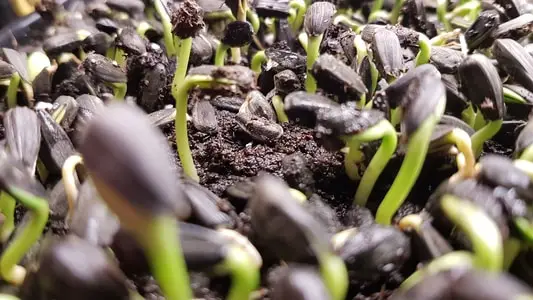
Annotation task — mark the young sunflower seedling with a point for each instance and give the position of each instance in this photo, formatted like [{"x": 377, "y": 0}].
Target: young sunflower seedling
[
  {"x": 285, "y": 82},
  {"x": 297, "y": 14},
  {"x": 21, "y": 186},
  {"x": 421, "y": 98},
  {"x": 203, "y": 77},
  {"x": 126, "y": 158},
  {"x": 187, "y": 22},
  {"x": 237, "y": 34},
  {"x": 19, "y": 76},
  {"x": 241, "y": 10},
  {"x": 23, "y": 140},
  {"x": 482, "y": 85},
  {"x": 69, "y": 177},
  {"x": 108, "y": 72},
  {"x": 302, "y": 237},
  {"x": 318, "y": 17}
]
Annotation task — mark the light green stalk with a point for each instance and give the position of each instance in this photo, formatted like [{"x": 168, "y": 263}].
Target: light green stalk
[
  {"x": 313, "y": 49},
  {"x": 484, "y": 134},
  {"x": 12, "y": 90},
  {"x": 7, "y": 207},
  {"x": 245, "y": 274},
  {"x": 167, "y": 27},
  {"x": 185, "y": 46},
  {"x": 257, "y": 60},
  {"x": 335, "y": 275},
  {"x": 300, "y": 8},
  {"x": 277, "y": 102}
]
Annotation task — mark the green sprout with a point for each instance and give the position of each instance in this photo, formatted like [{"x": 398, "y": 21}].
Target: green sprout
[
  {"x": 318, "y": 17},
  {"x": 383, "y": 130},
  {"x": 7, "y": 208},
  {"x": 395, "y": 13},
  {"x": 297, "y": 14},
  {"x": 466, "y": 160},
  {"x": 242, "y": 265},
  {"x": 121, "y": 147},
  {"x": 509, "y": 96},
  {"x": 12, "y": 90},
  {"x": 31, "y": 195},
  {"x": 417, "y": 148},
  {"x": 187, "y": 22},
  {"x": 485, "y": 134},
  {"x": 456, "y": 259},
  {"x": 347, "y": 21},
  {"x": 37, "y": 61},
  {"x": 237, "y": 34},
  {"x": 258, "y": 59},
  {"x": 304, "y": 40},
  {"x": 481, "y": 229},
  {"x": 180, "y": 92},
  {"x": 424, "y": 53},
  {"x": 163, "y": 13},
  {"x": 374, "y": 11},
  {"x": 277, "y": 102}
]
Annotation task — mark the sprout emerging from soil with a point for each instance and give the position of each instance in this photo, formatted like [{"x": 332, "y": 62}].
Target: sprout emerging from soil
[
  {"x": 297, "y": 14},
  {"x": 108, "y": 72},
  {"x": 68, "y": 173},
  {"x": 127, "y": 160},
  {"x": 237, "y": 34}
]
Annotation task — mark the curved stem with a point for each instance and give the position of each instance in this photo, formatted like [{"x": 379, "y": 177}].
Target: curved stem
[
  {"x": 395, "y": 13},
  {"x": 481, "y": 230},
  {"x": 456, "y": 259},
  {"x": 277, "y": 102},
  {"x": 26, "y": 238},
  {"x": 484, "y": 134},
  {"x": 411, "y": 166},
  {"x": 68, "y": 172},
  {"x": 334, "y": 274},
  {"x": 511, "y": 249},
  {"x": 162, "y": 246},
  {"x": 442, "y": 8},
  {"x": 180, "y": 92},
  {"x": 254, "y": 20},
  {"x": 313, "y": 49},
  {"x": 7, "y": 207},
  {"x": 462, "y": 141},
  {"x": 383, "y": 130},
  {"x": 425, "y": 50},
  {"x": 167, "y": 27},
  {"x": 185, "y": 46},
  {"x": 257, "y": 60},
  {"x": 220, "y": 54},
  {"x": 352, "y": 159},
  {"x": 300, "y": 8},
  {"x": 119, "y": 90},
  {"x": 298, "y": 196},
  {"x": 244, "y": 273},
  {"x": 12, "y": 90}
]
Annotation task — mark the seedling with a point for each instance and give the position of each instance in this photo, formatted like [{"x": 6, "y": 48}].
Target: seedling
[
  {"x": 318, "y": 17},
  {"x": 126, "y": 158},
  {"x": 163, "y": 12},
  {"x": 422, "y": 97},
  {"x": 108, "y": 72},
  {"x": 237, "y": 34},
  {"x": 22, "y": 187}
]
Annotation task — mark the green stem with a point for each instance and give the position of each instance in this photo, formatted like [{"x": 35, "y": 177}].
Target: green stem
[
  {"x": 479, "y": 122},
  {"x": 119, "y": 90},
  {"x": 456, "y": 259},
  {"x": 119, "y": 57},
  {"x": 167, "y": 28},
  {"x": 277, "y": 102},
  {"x": 162, "y": 246},
  {"x": 220, "y": 54},
  {"x": 180, "y": 92},
  {"x": 411, "y": 166},
  {"x": 220, "y": 15},
  {"x": 254, "y": 20},
  {"x": 378, "y": 4},
  {"x": 7, "y": 207},
  {"x": 360, "y": 48},
  {"x": 245, "y": 275},
  {"x": 335, "y": 275},
  {"x": 484, "y": 134},
  {"x": 374, "y": 76},
  {"x": 12, "y": 90},
  {"x": 442, "y": 8},
  {"x": 382, "y": 130},
  {"x": 511, "y": 97},
  {"x": 304, "y": 40},
  {"x": 26, "y": 238},
  {"x": 395, "y": 13},
  {"x": 300, "y": 8},
  {"x": 469, "y": 115},
  {"x": 481, "y": 230},
  {"x": 313, "y": 49},
  {"x": 185, "y": 46},
  {"x": 527, "y": 154},
  {"x": 395, "y": 116},
  {"x": 352, "y": 159},
  {"x": 257, "y": 60},
  {"x": 425, "y": 50}
]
